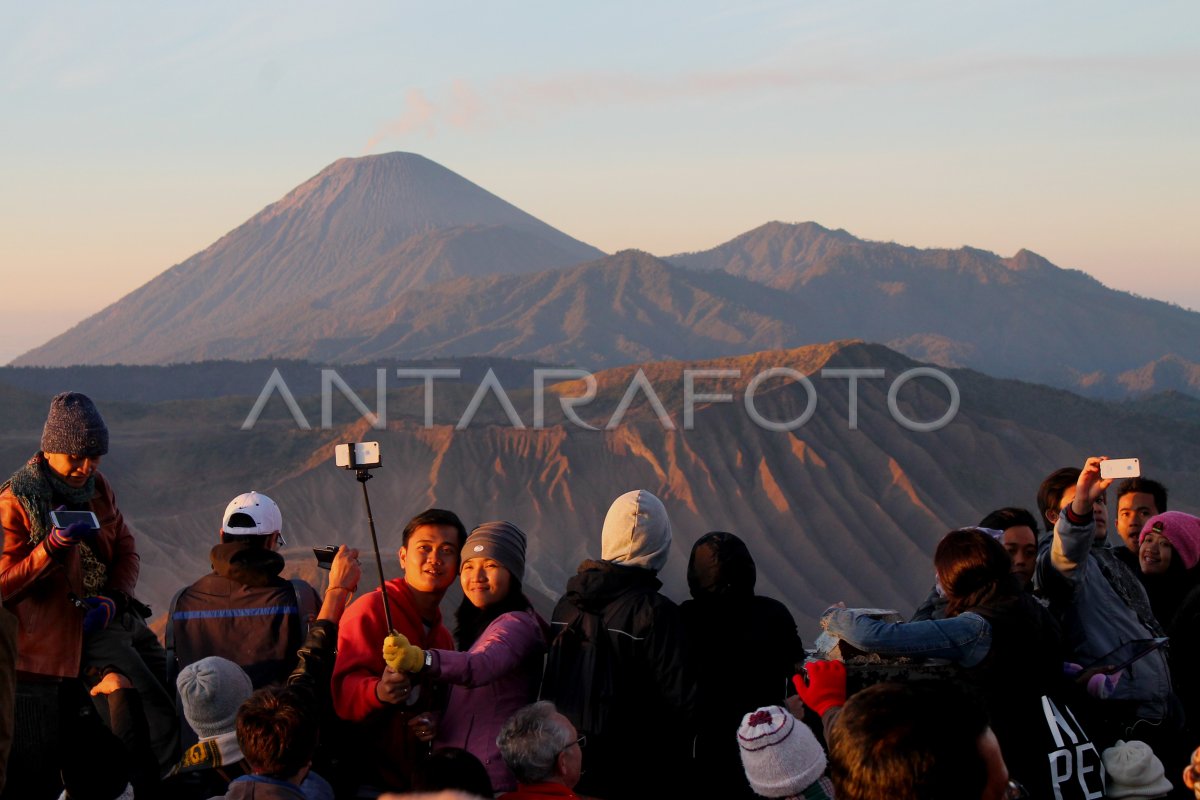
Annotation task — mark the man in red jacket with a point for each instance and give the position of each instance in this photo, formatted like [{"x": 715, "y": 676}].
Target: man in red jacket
[{"x": 388, "y": 705}]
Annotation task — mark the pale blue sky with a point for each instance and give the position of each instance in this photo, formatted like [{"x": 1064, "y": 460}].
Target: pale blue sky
[{"x": 135, "y": 134}]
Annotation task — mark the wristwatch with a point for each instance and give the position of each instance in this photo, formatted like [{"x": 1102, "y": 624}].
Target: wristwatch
[{"x": 428, "y": 659}]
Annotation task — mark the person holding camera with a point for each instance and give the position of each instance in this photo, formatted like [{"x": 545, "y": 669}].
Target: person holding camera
[
  {"x": 1102, "y": 605},
  {"x": 390, "y": 711},
  {"x": 72, "y": 591},
  {"x": 502, "y": 641},
  {"x": 244, "y": 610}
]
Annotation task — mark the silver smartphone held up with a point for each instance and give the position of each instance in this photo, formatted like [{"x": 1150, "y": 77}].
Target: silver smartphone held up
[
  {"x": 65, "y": 519},
  {"x": 357, "y": 455},
  {"x": 1120, "y": 468}
]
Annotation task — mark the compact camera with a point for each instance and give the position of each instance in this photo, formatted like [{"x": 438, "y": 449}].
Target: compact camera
[{"x": 325, "y": 555}]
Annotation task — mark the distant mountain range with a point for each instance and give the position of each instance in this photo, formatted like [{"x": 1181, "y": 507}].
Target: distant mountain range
[
  {"x": 395, "y": 257},
  {"x": 1017, "y": 317},
  {"x": 829, "y": 513}
]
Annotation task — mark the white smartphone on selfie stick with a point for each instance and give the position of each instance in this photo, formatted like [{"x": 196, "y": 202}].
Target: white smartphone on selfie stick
[{"x": 1120, "y": 468}]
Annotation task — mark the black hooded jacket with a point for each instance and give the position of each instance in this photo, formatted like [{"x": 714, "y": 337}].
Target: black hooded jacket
[
  {"x": 649, "y": 733},
  {"x": 748, "y": 649}
]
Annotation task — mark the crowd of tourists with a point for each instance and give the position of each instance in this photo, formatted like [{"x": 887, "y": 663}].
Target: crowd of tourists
[{"x": 1045, "y": 662}]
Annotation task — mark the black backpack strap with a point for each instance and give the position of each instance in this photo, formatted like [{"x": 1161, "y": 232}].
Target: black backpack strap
[
  {"x": 173, "y": 665},
  {"x": 306, "y": 599}
]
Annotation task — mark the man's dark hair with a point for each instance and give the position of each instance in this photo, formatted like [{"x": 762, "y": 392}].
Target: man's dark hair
[
  {"x": 277, "y": 732},
  {"x": 909, "y": 741},
  {"x": 1051, "y": 491},
  {"x": 253, "y": 539},
  {"x": 1152, "y": 488},
  {"x": 1011, "y": 517},
  {"x": 435, "y": 516}
]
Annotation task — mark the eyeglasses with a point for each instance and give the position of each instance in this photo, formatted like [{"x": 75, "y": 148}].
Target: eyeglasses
[
  {"x": 581, "y": 741},
  {"x": 1015, "y": 791}
]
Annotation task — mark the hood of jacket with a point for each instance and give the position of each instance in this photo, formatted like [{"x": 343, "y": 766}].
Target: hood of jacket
[
  {"x": 637, "y": 531},
  {"x": 246, "y": 564},
  {"x": 721, "y": 567}
]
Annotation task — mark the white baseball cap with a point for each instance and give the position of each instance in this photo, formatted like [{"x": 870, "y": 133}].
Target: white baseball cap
[{"x": 257, "y": 509}]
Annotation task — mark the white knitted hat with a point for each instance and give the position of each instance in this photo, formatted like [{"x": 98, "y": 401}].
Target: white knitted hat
[
  {"x": 781, "y": 757},
  {"x": 1134, "y": 772}
]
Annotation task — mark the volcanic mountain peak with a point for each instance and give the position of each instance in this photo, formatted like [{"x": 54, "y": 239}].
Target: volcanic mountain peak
[
  {"x": 402, "y": 192},
  {"x": 345, "y": 228}
]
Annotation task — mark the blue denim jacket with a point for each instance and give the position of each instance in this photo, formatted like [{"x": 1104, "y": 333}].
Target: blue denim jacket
[{"x": 965, "y": 639}]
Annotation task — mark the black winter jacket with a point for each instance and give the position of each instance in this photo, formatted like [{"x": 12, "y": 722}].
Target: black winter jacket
[{"x": 652, "y": 718}]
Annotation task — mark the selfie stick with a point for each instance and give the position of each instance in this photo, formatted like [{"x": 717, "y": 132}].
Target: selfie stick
[{"x": 363, "y": 476}]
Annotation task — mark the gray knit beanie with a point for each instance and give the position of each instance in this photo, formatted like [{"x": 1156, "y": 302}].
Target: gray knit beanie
[
  {"x": 501, "y": 541},
  {"x": 74, "y": 427},
  {"x": 211, "y": 691}
]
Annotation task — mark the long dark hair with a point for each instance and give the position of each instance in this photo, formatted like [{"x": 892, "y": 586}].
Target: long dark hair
[
  {"x": 974, "y": 569},
  {"x": 470, "y": 621}
]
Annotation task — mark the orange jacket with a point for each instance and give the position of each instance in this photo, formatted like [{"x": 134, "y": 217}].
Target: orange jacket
[{"x": 36, "y": 586}]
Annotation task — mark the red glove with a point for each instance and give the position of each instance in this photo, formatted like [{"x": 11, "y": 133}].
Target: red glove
[{"x": 825, "y": 687}]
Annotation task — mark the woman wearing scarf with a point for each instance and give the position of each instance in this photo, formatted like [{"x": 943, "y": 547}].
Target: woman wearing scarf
[{"x": 72, "y": 592}]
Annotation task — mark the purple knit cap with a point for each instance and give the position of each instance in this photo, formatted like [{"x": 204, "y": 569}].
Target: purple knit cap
[{"x": 1182, "y": 531}]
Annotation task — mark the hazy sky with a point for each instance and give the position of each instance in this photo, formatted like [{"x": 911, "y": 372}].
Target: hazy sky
[{"x": 133, "y": 135}]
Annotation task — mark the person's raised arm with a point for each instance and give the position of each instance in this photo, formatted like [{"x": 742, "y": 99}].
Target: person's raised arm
[
  {"x": 344, "y": 574},
  {"x": 1074, "y": 531},
  {"x": 1089, "y": 487}
]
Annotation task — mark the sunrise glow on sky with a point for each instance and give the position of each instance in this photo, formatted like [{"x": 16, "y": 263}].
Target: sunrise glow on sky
[{"x": 136, "y": 134}]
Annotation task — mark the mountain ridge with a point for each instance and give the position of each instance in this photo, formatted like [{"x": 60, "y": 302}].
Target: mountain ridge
[{"x": 829, "y": 512}]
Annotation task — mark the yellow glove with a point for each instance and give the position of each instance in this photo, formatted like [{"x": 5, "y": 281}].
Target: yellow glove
[{"x": 400, "y": 655}]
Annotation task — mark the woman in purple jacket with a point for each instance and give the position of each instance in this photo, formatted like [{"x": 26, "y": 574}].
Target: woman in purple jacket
[{"x": 501, "y": 642}]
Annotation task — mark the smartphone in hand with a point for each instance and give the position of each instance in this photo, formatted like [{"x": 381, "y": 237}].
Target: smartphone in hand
[
  {"x": 64, "y": 519},
  {"x": 1120, "y": 468}
]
